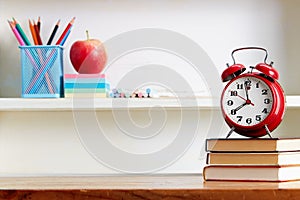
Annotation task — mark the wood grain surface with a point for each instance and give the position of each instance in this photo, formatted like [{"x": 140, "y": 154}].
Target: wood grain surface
[{"x": 141, "y": 187}]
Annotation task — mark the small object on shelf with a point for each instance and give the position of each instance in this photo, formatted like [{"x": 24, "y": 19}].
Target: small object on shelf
[
  {"x": 253, "y": 103},
  {"x": 42, "y": 66},
  {"x": 88, "y": 56},
  {"x": 122, "y": 95},
  {"x": 140, "y": 95},
  {"x": 42, "y": 71},
  {"x": 86, "y": 85},
  {"x": 148, "y": 90},
  {"x": 115, "y": 93},
  {"x": 118, "y": 93}
]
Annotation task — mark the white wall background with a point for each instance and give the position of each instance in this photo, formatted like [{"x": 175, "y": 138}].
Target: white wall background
[{"x": 217, "y": 26}]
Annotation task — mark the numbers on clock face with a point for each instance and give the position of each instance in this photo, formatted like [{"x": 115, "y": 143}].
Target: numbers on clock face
[{"x": 247, "y": 101}]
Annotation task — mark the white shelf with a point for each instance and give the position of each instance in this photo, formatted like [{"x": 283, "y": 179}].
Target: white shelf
[
  {"x": 67, "y": 104},
  {"x": 293, "y": 102}
]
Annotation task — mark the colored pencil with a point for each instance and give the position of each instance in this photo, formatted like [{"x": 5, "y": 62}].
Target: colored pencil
[
  {"x": 59, "y": 41},
  {"x": 65, "y": 38},
  {"x": 16, "y": 33},
  {"x": 39, "y": 24},
  {"x": 37, "y": 33},
  {"x": 21, "y": 32},
  {"x": 38, "y": 77},
  {"x": 53, "y": 33},
  {"x": 32, "y": 30}
]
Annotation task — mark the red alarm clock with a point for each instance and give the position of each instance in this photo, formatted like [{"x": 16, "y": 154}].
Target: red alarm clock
[{"x": 252, "y": 103}]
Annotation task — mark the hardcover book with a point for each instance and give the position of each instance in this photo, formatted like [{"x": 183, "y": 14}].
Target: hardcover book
[
  {"x": 253, "y": 145},
  {"x": 252, "y": 173},
  {"x": 277, "y": 158}
]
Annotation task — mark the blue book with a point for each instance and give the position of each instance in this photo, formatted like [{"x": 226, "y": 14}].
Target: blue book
[
  {"x": 87, "y": 85},
  {"x": 85, "y": 80}
]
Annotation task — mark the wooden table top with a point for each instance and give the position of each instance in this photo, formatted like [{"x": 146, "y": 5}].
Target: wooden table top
[{"x": 141, "y": 187}]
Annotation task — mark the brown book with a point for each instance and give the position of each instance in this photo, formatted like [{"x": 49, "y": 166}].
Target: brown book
[
  {"x": 253, "y": 145},
  {"x": 278, "y": 158},
  {"x": 251, "y": 173}
]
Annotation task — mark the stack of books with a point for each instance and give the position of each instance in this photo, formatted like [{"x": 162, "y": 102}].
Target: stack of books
[
  {"x": 274, "y": 160},
  {"x": 86, "y": 85}
]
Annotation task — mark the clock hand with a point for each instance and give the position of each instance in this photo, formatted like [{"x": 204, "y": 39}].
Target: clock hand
[
  {"x": 241, "y": 97},
  {"x": 247, "y": 100},
  {"x": 239, "y": 107},
  {"x": 246, "y": 90}
]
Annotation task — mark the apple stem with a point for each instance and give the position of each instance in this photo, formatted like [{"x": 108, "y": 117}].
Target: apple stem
[{"x": 87, "y": 35}]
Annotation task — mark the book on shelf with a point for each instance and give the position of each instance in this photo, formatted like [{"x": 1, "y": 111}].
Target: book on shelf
[
  {"x": 244, "y": 158},
  {"x": 253, "y": 145},
  {"x": 252, "y": 173},
  {"x": 84, "y": 76}
]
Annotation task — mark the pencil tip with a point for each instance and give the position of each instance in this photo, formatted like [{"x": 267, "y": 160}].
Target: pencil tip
[
  {"x": 13, "y": 21},
  {"x": 11, "y": 24}
]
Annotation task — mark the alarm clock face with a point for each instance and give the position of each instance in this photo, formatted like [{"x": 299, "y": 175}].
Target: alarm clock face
[{"x": 247, "y": 101}]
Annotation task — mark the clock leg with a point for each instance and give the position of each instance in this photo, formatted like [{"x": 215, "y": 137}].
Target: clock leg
[
  {"x": 230, "y": 132},
  {"x": 268, "y": 131}
]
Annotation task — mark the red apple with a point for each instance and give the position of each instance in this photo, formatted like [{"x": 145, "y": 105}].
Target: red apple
[{"x": 88, "y": 56}]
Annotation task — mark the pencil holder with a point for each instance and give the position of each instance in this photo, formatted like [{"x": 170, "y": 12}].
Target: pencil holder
[{"x": 42, "y": 71}]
